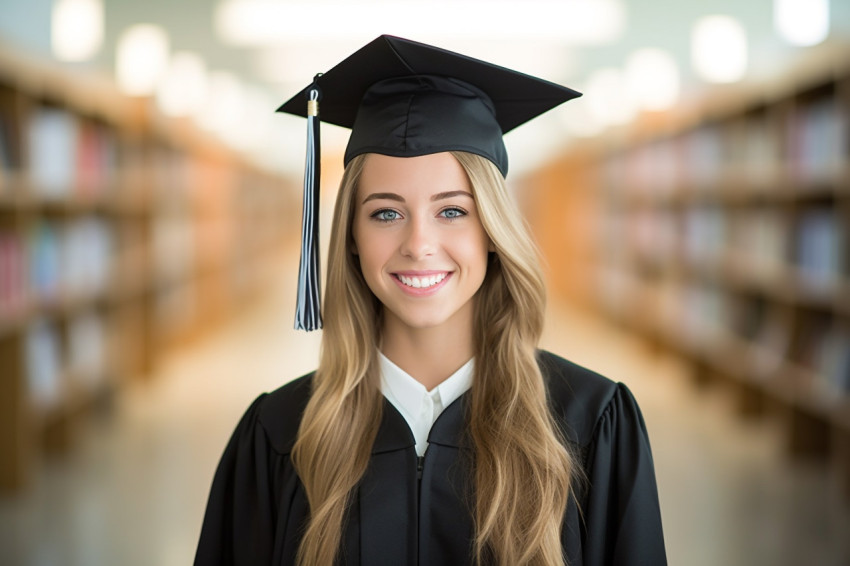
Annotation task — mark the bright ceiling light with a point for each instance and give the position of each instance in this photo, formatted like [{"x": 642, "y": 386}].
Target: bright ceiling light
[
  {"x": 141, "y": 58},
  {"x": 264, "y": 22},
  {"x": 253, "y": 133},
  {"x": 225, "y": 107},
  {"x": 182, "y": 90},
  {"x": 608, "y": 99},
  {"x": 719, "y": 49},
  {"x": 652, "y": 77},
  {"x": 76, "y": 29},
  {"x": 802, "y": 22}
]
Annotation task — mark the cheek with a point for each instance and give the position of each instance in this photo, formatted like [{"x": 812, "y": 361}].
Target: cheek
[
  {"x": 478, "y": 247},
  {"x": 372, "y": 254}
]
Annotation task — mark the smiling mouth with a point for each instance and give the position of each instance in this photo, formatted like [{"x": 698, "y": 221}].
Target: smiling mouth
[{"x": 423, "y": 282}]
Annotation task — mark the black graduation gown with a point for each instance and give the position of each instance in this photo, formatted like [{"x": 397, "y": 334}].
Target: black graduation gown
[{"x": 257, "y": 506}]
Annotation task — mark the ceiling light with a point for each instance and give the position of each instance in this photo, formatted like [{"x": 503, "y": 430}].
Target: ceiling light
[
  {"x": 141, "y": 57},
  {"x": 76, "y": 29},
  {"x": 802, "y": 22},
  {"x": 225, "y": 105},
  {"x": 652, "y": 77},
  {"x": 264, "y": 22},
  {"x": 182, "y": 90},
  {"x": 719, "y": 49},
  {"x": 608, "y": 99}
]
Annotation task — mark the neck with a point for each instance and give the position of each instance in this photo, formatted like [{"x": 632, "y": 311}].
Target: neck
[{"x": 429, "y": 355}]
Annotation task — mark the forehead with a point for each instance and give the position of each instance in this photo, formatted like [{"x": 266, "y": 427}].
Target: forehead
[{"x": 412, "y": 176}]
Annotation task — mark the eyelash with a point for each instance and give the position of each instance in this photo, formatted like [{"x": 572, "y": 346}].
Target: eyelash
[
  {"x": 377, "y": 215},
  {"x": 460, "y": 213}
]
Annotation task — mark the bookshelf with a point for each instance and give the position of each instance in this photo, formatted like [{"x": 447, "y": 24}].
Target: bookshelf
[
  {"x": 723, "y": 235},
  {"x": 122, "y": 236}
]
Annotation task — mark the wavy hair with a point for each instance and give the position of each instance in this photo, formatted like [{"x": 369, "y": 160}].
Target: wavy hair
[{"x": 521, "y": 468}]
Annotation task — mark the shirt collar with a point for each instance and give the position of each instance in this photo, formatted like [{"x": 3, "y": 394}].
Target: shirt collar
[{"x": 409, "y": 393}]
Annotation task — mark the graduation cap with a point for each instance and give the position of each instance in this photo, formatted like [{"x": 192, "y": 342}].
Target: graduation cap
[{"x": 404, "y": 99}]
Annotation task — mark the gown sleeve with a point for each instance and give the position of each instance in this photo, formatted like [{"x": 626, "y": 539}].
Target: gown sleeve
[
  {"x": 240, "y": 523},
  {"x": 622, "y": 514}
]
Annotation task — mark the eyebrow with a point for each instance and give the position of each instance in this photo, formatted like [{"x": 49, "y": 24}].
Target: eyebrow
[{"x": 399, "y": 198}]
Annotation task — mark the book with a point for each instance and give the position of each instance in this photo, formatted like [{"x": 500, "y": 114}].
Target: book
[
  {"x": 12, "y": 275},
  {"x": 819, "y": 249},
  {"x": 96, "y": 156},
  {"x": 704, "y": 234},
  {"x": 704, "y": 156},
  {"x": 43, "y": 363},
  {"x": 654, "y": 234},
  {"x": 52, "y": 136},
  {"x": 758, "y": 241},
  {"x": 87, "y": 257},
  {"x": 652, "y": 168},
  {"x": 818, "y": 140},
  {"x": 43, "y": 258},
  {"x": 761, "y": 150}
]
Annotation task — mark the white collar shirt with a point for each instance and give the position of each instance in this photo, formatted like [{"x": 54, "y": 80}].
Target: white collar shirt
[{"x": 420, "y": 407}]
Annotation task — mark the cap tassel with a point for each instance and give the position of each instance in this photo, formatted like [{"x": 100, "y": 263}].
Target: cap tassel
[{"x": 308, "y": 314}]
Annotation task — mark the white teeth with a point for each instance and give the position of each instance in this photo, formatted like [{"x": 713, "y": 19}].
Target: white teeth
[{"x": 422, "y": 282}]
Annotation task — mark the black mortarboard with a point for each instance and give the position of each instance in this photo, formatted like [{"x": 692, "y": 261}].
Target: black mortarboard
[{"x": 403, "y": 98}]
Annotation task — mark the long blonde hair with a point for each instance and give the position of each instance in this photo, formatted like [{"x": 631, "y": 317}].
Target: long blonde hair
[{"x": 521, "y": 466}]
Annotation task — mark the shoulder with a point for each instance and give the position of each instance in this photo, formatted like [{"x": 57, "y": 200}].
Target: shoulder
[
  {"x": 579, "y": 397},
  {"x": 279, "y": 412}
]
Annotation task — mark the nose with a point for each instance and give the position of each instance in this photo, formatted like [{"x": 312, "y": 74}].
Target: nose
[{"x": 419, "y": 240}]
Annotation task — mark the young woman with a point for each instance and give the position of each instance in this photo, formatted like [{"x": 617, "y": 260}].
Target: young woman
[{"x": 433, "y": 431}]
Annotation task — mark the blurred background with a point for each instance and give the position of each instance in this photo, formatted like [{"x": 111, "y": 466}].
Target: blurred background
[{"x": 692, "y": 209}]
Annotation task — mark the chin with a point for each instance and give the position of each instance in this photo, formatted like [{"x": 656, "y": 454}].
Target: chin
[
  {"x": 425, "y": 318},
  {"x": 421, "y": 322}
]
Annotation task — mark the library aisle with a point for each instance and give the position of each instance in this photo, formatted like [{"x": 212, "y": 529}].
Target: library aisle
[{"x": 134, "y": 490}]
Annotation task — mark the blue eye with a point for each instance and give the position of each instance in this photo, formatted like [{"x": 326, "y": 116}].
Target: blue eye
[
  {"x": 452, "y": 213},
  {"x": 386, "y": 215}
]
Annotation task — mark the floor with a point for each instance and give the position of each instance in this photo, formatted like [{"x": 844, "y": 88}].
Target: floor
[{"x": 133, "y": 491}]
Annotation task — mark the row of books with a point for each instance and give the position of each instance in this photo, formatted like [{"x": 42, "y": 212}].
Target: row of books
[
  {"x": 811, "y": 145},
  {"x": 759, "y": 237},
  {"x": 54, "y": 260},
  {"x": 767, "y": 238},
  {"x": 819, "y": 140},
  {"x": 65, "y": 154},
  {"x": 58, "y": 358},
  {"x": 821, "y": 246},
  {"x": 704, "y": 233},
  {"x": 69, "y": 156},
  {"x": 698, "y": 315}
]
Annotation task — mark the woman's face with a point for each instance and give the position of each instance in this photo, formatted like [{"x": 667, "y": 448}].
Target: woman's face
[{"x": 422, "y": 248}]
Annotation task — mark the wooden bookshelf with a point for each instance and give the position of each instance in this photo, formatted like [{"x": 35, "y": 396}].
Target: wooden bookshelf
[
  {"x": 723, "y": 235},
  {"x": 122, "y": 236}
]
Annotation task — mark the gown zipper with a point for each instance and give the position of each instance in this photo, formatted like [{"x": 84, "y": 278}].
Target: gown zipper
[{"x": 420, "y": 465}]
